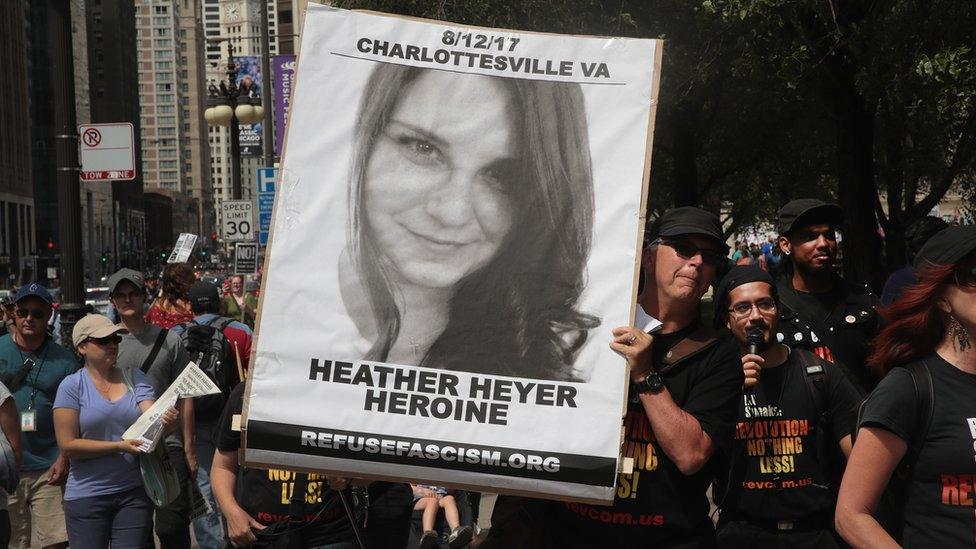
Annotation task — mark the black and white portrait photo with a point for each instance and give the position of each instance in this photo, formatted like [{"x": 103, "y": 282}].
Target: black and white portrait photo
[
  {"x": 456, "y": 231},
  {"x": 471, "y": 219}
]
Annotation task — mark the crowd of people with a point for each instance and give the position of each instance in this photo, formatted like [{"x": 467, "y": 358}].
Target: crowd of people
[{"x": 811, "y": 413}]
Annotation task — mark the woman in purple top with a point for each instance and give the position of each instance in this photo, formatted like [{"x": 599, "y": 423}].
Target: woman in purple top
[{"x": 104, "y": 501}]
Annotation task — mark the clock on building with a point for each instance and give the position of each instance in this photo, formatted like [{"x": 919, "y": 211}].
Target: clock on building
[{"x": 232, "y": 12}]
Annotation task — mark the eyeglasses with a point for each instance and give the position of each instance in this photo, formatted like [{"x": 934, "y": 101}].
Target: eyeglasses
[
  {"x": 688, "y": 250},
  {"x": 766, "y": 306},
  {"x": 33, "y": 313},
  {"x": 108, "y": 340}
]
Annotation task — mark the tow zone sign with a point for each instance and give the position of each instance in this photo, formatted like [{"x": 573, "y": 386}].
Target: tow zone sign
[{"x": 107, "y": 152}]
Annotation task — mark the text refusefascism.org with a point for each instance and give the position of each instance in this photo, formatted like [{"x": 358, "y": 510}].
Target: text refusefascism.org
[{"x": 430, "y": 451}]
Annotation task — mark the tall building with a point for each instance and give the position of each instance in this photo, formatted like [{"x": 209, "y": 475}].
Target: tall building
[
  {"x": 17, "y": 238},
  {"x": 237, "y": 25},
  {"x": 291, "y": 15},
  {"x": 99, "y": 225},
  {"x": 114, "y": 88},
  {"x": 174, "y": 141}
]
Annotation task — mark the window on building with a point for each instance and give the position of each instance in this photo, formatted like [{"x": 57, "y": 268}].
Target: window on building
[
  {"x": 161, "y": 54},
  {"x": 167, "y": 164},
  {"x": 164, "y": 87},
  {"x": 164, "y": 76},
  {"x": 166, "y": 109},
  {"x": 161, "y": 9},
  {"x": 160, "y": 20},
  {"x": 163, "y": 65},
  {"x": 163, "y": 43},
  {"x": 167, "y": 132},
  {"x": 166, "y": 120},
  {"x": 165, "y": 98},
  {"x": 161, "y": 32}
]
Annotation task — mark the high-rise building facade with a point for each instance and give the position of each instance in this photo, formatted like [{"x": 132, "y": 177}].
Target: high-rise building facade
[
  {"x": 236, "y": 30},
  {"x": 172, "y": 98},
  {"x": 17, "y": 237},
  {"x": 114, "y": 90}
]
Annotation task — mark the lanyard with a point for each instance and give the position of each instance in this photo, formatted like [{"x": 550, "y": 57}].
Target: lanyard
[{"x": 37, "y": 374}]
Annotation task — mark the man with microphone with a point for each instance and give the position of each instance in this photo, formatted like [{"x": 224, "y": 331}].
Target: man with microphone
[{"x": 795, "y": 421}]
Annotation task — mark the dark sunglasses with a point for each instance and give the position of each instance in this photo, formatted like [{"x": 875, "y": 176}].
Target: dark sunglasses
[
  {"x": 106, "y": 340},
  {"x": 688, "y": 250},
  {"x": 33, "y": 313},
  {"x": 965, "y": 276}
]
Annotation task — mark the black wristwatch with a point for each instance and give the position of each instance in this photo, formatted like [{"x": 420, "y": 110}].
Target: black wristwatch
[{"x": 653, "y": 383}]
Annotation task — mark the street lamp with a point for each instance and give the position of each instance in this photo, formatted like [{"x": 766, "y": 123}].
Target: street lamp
[{"x": 230, "y": 105}]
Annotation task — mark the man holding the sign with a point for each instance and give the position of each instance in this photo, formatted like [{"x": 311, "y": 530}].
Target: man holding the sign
[{"x": 682, "y": 409}]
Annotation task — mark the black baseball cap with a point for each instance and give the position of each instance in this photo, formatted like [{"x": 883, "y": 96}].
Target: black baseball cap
[
  {"x": 135, "y": 277},
  {"x": 737, "y": 276},
  {"x": 803, "y": 212},
  {"x": 203, "y": 295},
  {"x": 688, "y": 220},
  {"x": 948, "y": 247}
]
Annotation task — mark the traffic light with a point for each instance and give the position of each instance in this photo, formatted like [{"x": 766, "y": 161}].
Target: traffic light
[
  {"x": 104, "y": 258},
  {"x": 50, "y": 245},
  {"x": 162, "y": 254}
]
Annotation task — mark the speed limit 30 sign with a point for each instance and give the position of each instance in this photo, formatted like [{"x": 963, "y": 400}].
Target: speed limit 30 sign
[{"x": 237, "y": 221}]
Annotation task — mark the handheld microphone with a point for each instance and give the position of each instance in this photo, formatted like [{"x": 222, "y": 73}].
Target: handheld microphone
[{"x": 754, "y": 339}]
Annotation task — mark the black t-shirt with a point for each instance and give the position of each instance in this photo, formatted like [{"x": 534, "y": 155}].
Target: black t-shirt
[
  {"x": 656, "y": 504},
  {"x": 840, "y": 325},
  {"x": 266, "y": 494},
  {"x": 778, "y": 474},
  {"x": 941, "y": 506}
]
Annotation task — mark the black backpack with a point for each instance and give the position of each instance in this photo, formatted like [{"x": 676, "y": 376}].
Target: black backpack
[
  {"x": 208, "y": 348},
  {"x": 891, "y": 509}
]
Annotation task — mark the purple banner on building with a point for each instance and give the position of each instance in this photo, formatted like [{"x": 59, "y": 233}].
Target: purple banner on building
[
  {"x": 283, "y": 69},
  {"x": 249, "y": 82}
]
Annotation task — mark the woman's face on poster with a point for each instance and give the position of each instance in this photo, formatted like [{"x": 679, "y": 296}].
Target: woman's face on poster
[{"x": 439, "y": 178}]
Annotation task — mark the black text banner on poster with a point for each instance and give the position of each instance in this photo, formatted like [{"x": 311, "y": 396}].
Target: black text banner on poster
[
  {"x": 245, "y": 258},
  {"x": 299, "y": 439},
  {"x": 458, "y": 229}
]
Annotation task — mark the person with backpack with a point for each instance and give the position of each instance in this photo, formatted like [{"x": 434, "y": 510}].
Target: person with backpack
[
  {"x": 220, "y": 347},
  {"x": 916, "y": 438},
  {"x": 159, "y": 354},
  {"x": 795, "y": 419}
]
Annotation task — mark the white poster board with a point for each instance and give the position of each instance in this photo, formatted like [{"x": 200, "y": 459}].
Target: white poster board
[
  {"x": 455, "y": 235},
  {"x": 183, "y": 248}
]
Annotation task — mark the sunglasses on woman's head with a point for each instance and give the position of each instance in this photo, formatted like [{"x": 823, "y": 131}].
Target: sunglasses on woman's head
[
  {"x": 33, "y": 313},
  {"x": 106, "y": 340},
  {"x": 688, "y": 250}
]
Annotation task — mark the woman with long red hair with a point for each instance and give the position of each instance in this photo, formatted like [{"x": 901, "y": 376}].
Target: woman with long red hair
[
  {"x": 921, "y": 419},
  {"x": 172, "y": 307}
]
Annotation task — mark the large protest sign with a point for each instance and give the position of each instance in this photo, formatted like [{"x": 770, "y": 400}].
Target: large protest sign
[{"x": 455, "y": 235}]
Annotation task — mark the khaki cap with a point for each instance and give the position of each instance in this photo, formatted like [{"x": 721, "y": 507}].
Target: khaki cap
[{"x": 93, "y": 326}]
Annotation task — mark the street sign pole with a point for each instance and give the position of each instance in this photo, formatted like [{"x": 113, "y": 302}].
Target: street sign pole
[{"x": 72, "y": 306}]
